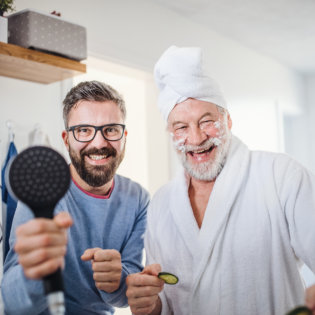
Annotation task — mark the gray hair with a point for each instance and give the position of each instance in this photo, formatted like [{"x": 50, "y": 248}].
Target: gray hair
[{"x": 91, "y": 91}]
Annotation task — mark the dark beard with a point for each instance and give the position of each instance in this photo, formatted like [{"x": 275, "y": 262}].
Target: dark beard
[{"x": 97, "y": 175}]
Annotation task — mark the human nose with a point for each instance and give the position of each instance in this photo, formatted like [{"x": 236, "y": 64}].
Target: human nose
[
  {"x": 99, "y": 140},
  {"x": 196, "y": 136}
]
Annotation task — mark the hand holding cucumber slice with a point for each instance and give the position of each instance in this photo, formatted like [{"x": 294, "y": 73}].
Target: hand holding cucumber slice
[{"x": 168, "y": 277}]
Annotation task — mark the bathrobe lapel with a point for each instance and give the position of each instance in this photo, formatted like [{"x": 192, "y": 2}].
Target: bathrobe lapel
[
  {"x": 224, "y": 193},
  {"x": 182, "y": 213}
]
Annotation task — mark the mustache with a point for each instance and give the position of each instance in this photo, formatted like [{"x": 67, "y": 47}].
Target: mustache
[
  {"x": 109, "y": 151},
  {"x": 205, "y": 146}
]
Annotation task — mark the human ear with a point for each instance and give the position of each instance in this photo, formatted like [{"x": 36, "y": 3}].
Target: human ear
[
  {"x": 65, "y": 139},
  {"x": 229, "y": 121}
]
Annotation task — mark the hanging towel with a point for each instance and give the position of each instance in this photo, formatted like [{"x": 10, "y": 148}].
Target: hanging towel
[
  {"x": 8, "y": 202},
  {"x": 38, "y": 137}
]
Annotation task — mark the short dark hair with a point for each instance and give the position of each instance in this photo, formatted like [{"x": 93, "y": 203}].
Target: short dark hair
[{"x": 91, "y": 91}]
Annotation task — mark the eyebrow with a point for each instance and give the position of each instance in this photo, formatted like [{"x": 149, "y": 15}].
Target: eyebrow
[{"x": 212, "y": 115}]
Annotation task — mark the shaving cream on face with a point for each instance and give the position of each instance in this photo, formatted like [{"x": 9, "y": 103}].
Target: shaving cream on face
[
  {"x": 209, "y": 170},
  {"x": 178, "y": 144}
]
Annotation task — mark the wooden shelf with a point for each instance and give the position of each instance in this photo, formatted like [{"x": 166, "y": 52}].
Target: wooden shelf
[{"x": 31, "y": 65}]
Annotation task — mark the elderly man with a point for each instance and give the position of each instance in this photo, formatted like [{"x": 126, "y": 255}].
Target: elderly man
[
  {"x": 234, "y": 225},
  {"x": 108, "y": 212}
]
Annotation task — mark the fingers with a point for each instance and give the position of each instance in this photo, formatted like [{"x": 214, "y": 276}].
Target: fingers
[
  {"x": 89, "y": 253},
  {"x": 41, "y": 255},
  {"x": 40, "y": 225},
  {"x": 106, "y": 260},
  {"x": 107, "y": 255},
  {"x": 144, "y": 284},
  {"x": 106, "y": 266},
  {"x": 101, "y": 255},
  {"x": 37, "y": 226},
  {"x": 310, "y": 298},
  {"x": 144, "y": 305},
  {"x": 41, "y": 245},
  {"x": 143, "y": 289},
  {"x": 153, "y": 269},
  {"x": 108, "y": 270},
  {"x": 25, "y": 244},
  {"x": 104, "y": 276},
  {"x": 150, "y": 290},
  {"x": 46, "y": 268},
  {"x": 63, "y": 220}
]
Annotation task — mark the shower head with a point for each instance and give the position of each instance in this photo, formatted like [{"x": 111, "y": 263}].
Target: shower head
[{"x": 39, "y": 177}]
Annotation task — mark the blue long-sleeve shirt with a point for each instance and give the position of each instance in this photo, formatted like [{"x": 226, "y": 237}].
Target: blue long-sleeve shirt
[{"x": 117, "y": 222}]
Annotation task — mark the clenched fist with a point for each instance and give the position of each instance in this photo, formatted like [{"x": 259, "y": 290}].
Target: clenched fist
[
  {"x": 106, "y": 266},
  {"x": 41, "y": 245}
]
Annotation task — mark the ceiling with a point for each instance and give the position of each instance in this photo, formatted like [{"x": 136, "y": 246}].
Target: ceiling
[{"x": 282, "y": 29}]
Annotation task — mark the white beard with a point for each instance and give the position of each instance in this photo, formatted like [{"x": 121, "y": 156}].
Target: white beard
[{"x": 207, "y": 171}]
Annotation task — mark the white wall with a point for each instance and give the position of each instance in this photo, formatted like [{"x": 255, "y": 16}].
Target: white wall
[
  {"x": 27, "y": 104},
  {"x": 310, "y": 100},
  {"x": 300, "y": 128}
]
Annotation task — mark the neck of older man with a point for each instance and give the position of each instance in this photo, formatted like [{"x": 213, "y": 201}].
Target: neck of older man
[{"x": 199, "y": 192}]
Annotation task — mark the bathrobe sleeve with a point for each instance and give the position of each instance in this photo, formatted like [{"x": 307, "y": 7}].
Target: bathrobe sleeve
[{"x": 297, "y": 196}]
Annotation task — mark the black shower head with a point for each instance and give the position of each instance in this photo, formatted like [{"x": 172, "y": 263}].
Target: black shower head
[{"x": 39, "y": 176}]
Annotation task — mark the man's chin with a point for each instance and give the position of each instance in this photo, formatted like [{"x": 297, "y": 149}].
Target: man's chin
[
  {"x": 97, "y": 185},
  {"x": 97, "y": 181},
  {"x": 96, "y": 175},
  {"x": 205, "y": 171}
]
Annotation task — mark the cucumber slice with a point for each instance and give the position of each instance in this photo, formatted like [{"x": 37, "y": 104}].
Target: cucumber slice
[
  {"x": 168, "y": 277},
  {"x": 301, "y": 310}
]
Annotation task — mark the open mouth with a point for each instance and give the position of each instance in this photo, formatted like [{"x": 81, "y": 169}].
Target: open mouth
[
  {"x": 201, "y": 152},
  {"x": 97, "y": 157}
]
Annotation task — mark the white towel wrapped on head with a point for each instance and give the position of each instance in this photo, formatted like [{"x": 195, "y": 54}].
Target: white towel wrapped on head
[{"x": 179, "y": 75}]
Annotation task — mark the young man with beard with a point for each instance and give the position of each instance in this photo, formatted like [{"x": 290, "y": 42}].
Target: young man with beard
[
  {"x": 106, "y": 212},
  {"x": 235, "y": 225}
]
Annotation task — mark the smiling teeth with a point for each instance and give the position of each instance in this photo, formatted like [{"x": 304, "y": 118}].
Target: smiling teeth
[
  {"x": 97, "y": 157},
  {"x": 202, "y": 151}
]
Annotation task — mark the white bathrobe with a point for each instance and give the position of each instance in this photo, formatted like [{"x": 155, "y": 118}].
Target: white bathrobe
[{"x": 258, "y": 228}]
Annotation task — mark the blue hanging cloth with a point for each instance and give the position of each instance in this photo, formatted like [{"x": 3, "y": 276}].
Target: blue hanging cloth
[{"x": 7, "y": 199}]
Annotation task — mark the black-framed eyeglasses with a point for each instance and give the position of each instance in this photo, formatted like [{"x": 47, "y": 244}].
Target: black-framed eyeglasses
[{"x": 86, "y": 133}]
